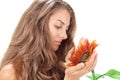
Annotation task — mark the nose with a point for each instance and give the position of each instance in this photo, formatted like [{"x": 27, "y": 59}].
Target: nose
[{"x": 63, "y": 35}]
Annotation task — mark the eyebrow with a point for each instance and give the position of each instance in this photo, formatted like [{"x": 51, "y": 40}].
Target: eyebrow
[{"x": 62, "y": 22}]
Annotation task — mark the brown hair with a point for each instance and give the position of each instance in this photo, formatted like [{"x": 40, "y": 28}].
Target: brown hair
[{"x": 30, "y": 51}]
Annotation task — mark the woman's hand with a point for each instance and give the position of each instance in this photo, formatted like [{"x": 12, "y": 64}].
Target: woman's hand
[{"x": 75, "y": 72}]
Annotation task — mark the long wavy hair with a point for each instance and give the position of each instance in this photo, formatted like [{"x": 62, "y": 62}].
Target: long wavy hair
[{"x": 30, "y": 50}]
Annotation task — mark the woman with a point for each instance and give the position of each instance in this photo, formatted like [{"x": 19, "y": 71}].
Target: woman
[{"x": 42, "y": 43}]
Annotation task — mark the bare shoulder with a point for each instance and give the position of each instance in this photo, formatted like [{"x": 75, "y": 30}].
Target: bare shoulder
[{"x": 7, "y": 72}]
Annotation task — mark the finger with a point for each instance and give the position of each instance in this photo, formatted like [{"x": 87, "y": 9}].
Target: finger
[
  {"x": 95, "y": 61},
  {"x": 89, "y": 65},
  {"x": 79, "y": 66},
  {"x": 92, "y": 62},
  {"x": 80, "y": 70},
  {"x": 92, "y": 66},
  {"x": 76, "y": 67}
]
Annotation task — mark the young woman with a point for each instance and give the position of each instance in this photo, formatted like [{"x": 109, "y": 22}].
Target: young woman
[{"x": 42, "y": 43}]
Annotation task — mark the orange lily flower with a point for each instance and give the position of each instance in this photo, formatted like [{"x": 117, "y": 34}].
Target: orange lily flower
[{"x": 83, "y": 51}]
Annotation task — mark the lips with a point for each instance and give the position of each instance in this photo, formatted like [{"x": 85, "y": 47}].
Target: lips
[{"x": 58, "y": 42}]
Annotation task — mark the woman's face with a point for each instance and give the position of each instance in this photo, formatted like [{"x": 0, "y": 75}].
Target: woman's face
[{"x": 58, "y": 25}]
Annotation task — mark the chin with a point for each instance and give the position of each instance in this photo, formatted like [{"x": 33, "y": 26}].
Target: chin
[{"x": 55, "y": 48}]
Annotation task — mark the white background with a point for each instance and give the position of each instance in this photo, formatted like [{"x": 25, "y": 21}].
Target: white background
[{"x": 96, "y": 19}]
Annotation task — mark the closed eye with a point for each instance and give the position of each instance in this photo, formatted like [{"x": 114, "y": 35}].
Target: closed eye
[{"x": 58, "y": 27}]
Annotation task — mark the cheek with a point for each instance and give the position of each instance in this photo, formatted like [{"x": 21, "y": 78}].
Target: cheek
[
  {"x": 52, "y": 33},
  {"x": 52, "y": 30}
]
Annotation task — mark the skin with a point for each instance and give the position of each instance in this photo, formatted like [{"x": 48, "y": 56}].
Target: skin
[
  {"x": 77, "y": 71},
  {"x": 7, "y": 73},
  {"x": 58, "y": 26}
]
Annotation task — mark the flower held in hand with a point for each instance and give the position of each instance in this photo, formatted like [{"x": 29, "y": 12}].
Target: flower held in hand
[{"x": 83, "y": 52}]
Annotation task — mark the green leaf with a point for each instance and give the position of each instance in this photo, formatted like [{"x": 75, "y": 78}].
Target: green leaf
[{"x": 113, "y": 74}]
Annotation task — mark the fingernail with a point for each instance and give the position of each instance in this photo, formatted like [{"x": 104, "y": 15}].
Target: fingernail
[{"x": 81, "y": 64}]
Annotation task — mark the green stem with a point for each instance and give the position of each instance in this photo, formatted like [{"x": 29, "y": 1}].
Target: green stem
[
  {"x": 100, "y": 76},
  {"x": 93, "y": 74}
]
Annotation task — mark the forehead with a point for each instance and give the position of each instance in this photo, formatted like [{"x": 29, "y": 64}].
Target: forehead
[{"x": 61, "y": 14}]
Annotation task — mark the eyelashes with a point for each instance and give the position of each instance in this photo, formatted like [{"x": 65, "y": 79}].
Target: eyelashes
[{"x": 58, "y": 27}]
